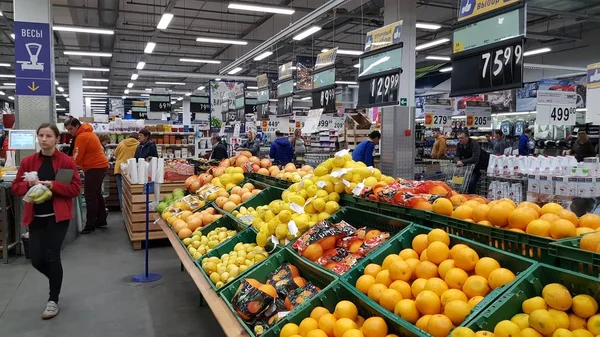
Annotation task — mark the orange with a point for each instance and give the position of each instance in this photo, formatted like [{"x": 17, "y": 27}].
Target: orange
[
  {"x": 422, "y": 322},
  {"x": 484, "y": 333},
  {"x": 345, "y": 309},
  {"x": 568, "y": 215},
  {"x": 452, "y": 295},
  {"x": 593, "y": 325},
  {"x": 532, "y": 205},
  {"x": 372, "y": 269},
  {"x": 581, "y": 333},
  {"x": 419, "y": 243},
  {"x": 353, "y": 333},
  {"x": 288, "y": 330},
  {"x": 521, "y": 217},
  {"x": 458, "y": 199},
  {"x": 476, "y": 286},
  {"x": 307, "y": 324},
  {"x": 457, "y": 311},
  {"x": 590, "y": 242},
  {"x": 498, "y": 214},
  {"x": 389, "y": 298},
  {"x": 463, "y": 212},
  {"x": 437, "y": 252},
  {"x": 364, "y": 283},
  {"x": 417, "y": 286},
  {"x": 561, "y": 318},
  {"x": 583, "y": 230},
  {"x": 374, "y": 327},
  {"x": 342, "y": 325},
  {"x": 326, "y": 323},
  {"x": 428, "y": 302},
  {"x": 438, "y": 235},
  {"x": 532, "y": 304},
  {"x": 561, "y": 332},
  {"x": 455, "y": 278},
  {"x": 317, "y": 312},
  {"x": 551, "y": 207},
  {"x": 506, "y": 328},
  {"x": 557, "y": 296},
  {"x": 437, "y": 285},
  {"x": 317, "y": 333},
  {"x": 359, "y": 321},
  {"x": 439, "y": 326},
  {"x": 407, "y": 310},
  {"x": 542, "y": 321},
  {"x": 590, "y": 220},
  {"x": 444, "y": 267},
  {"x": 462, "y": 332},
  {"x": 400, "y": 270},
  {"x": 408, "y": 253},
  {"x": 485, "y": 266},
  {"x": 466, "y": 259},
  {"x": 456, "y": 248},
  {"x": 584, "y": 306},
  {"x": 509, "y": 201},
  {"x": 539, "y": 227},
  {"x": 442, "y": 206},
  {"x": 313, "y": 252},
  {"x": 500, "y": 277},
  {"x": 389, "y": 260},
  {"x": 485, "y": 223},
  {"x": 413, "y": 263},
  {"x": 423, "y": 256},
  {"x": 383, "y": 277},
  {"x": 576, "y": 322},
  {"x": 474, "y": 301},
  {"x": 403, "y": 288},
  {"x": 550, "y": 217},
  {"x": 480, "y": 213},
  {"x": 562, "y": 228},
  {"x": 426, "y": 270},
  {"x": 423, "y": 205},
  {"x": 375, "y": 291},
  {"x": 522, "y": 320}
]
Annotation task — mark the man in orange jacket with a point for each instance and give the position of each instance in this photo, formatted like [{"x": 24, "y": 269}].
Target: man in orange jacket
[{"x": 89, "y": 155}]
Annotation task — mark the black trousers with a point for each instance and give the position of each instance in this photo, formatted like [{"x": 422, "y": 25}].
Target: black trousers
[
  {"x": 472, "y": 187},
  {"x": 92, "y": 191},
  {"x": 46, "y": 237}
]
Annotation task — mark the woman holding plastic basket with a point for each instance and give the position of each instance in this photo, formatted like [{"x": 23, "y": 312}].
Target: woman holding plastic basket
[{"x": 48, "y": 180}]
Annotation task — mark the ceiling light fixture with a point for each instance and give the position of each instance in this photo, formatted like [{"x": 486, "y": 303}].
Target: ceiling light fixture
[
  {"x": 179, "y": 98},
  {"x": 345, "y": 52},
  {"x": 170, "y": 83},
  {"x": 164, "y": 21},
  {"x": 55, "y": 82},
  {"x": 264, "y": 9},
  {"x": 148, "y": 90},
  {"x": 345, "y": 82},
  {"x": 445, "y": 70},
  {"x": 126, "y": 91},
  {"x": 149, "y": 47},
  {"x": 199, "y": 61},
  {"x": 130, "y": 85},
  {"x": 173, "y": 102},
  {"x": 188, "y": 94},
  {"x": 2, "y": 93},
  {"x": 537, "y": 51},
  {"x": 89, "y": 69},
  {"x": 252, "y": 88},
  {"x": 94, "y": 93},
  {"x": 306, "y": 33},
  {"x": 11, "y": 98},
  {"x": 438, "y": 58},
  {"x": 357, "y": 65},
  {"x": 68, "y": 99},
  {"x": 87, "y": 53},
  {"x": 432, "y": 43},
  {"x": 145, "y": 95},
  {"x": 427, "y": 25},
  {"x": 123, "y": 97},
  {"x": 221, "y": 41},
  {"x": 6, "y": 76},
  {"x": 61, "y": 109},
  {"x": 94, "y": 80},
  {"x": 201, "y": 88},
  {"x": 263, "y": 55},
  {"x": 5, "y": 65},
  {"x": 93, "y": 87},
  {"x": 140, "y": 65},
  {"x": 12, "y": 36},
  {"x": 234, "y": 71},
  {"x": 65, "y": 95},
  {"x": 9, "y": 84},
  {"x": 305, "y": 98},
  {"x": 61, "y": 89},
  {"x": 134, "y": 77},
  {"x": 83, "y": 30}
]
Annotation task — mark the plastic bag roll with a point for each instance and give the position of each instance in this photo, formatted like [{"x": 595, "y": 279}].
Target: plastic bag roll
[
  {"x": 160, "y": 171},
  {"x": 142, "y": 171},
  {"x": 153, "y": 168},
  {"x": 133, "y": 170}
]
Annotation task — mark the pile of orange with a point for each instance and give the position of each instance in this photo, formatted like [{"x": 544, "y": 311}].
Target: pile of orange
[
  {"x": 555, "y": 313},
  {"x": 343, "y": 322},
  {"x": 433, "y": 285}
]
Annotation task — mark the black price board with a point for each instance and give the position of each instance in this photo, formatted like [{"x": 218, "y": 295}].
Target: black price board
[
  {"x": 199, "y": 104},
  {"x": 250, "y": 109},
  {"x": 492, "y": 68},
  {"x": 324, "y": 99},
  {"x": 160, "y": 103},
  {"x": 285, "y": 106},
  {"x": 379, "y": 90}
]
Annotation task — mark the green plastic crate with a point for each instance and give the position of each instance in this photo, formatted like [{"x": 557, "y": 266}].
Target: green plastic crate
[
  {"x": 224, "y": 221},
  {"x": 570, "y": 256},
  {"x": 309, "y": 272},
  {"x": 339, "y": 292},
  {"x": 256, "y": 183},
  {"x": 272, "y": 181},
  {"x": 405, "y": 213},
  {"x": 517, "y": 264},
  {"x": 263, "y": 198},
  {"x": 530, "y": 284},
  {"x": 246, "y": 236}
]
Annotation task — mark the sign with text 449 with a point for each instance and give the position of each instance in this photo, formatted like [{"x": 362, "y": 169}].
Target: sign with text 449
[
  {"x": 380, "y": 90},
  {"x": 479, "y": 114},
  {"x": 556, "y": 107},
  {"x": 438, "y": 113}
]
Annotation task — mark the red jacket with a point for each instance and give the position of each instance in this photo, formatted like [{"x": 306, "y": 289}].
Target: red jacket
[{"x": 62, "y": 194}]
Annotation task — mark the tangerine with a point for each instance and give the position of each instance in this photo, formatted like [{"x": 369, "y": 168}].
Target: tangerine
[
  {"x": 307, "y": 324},
  {"x": 476, "y": 286},
  {"x": 353, "y": 333},
  {"x": 480, "y": 213},
  {"x": 532, "y": 304},
  {"x": 342, "y": 325},
  {"x": 389, "y": 298},
  {"x": 313, "y": 252},
  {"x": 364, "y": 283},
  {"x": 437, "y": 252},
  {"x": 498, "y": 214},
  {"x": 374, "y": 327},
  {"x": 485, "y": 266},
  {"x": 521, "y": 217},
  {"x": 407, "y": 310},
  {"x": 403, "y": 288},
  {"x": 557, "y": 296},
  {"x": 550, "y": 217},
  {"x": 442, "y": 206},
  {"x": 383, "y": 277},
  {"x": 474, "y": 301},
  {"x": 419, "y": 243},
  {"x": 455, "y": 278},
  {"x": 457, "y": 311},
  {"x": 408, "y": 253},
  {"x": 422, "y": 322},
  {"x": 289, "y": 330},
  {"x": 456, "y": 248},
  {"x": 389, "y": 260},
  {"x": 372, "y": 269},
  {"x": 452, "y": 295},
  {"x": 590, "y": 220},
  {"x": 400, "y": 270},
  {"x": 438, "y": 235},
  {"x": 375, "y": 291},
  {"x": 428, "y": 302},
  {"x": 500, "y": 277},
  {"x": 417, "y": 286},
  {"x": 584, "y": 306},
  {"x": 539, "y": 227},
  {"x": 506, "y": 328},
  {"x": 326, "y": 323},
  {"x": 437, "y": 285},
  {"x": 551, "y": 207},
  {"x": 426, "y": 270},
  {"x": 463, "y": 212},
  {"x": 444, "y": 267},
  {"x": 317, "y": 312},
  {"x": 568, "y": 215},
  {"x": 439, "y": 326},
  {"x": 562, "y": 228},
  {"x": 466, "y": 259},
  {"x": 345, "y": 309}
]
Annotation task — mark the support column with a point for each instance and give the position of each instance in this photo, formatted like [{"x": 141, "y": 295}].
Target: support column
[
  {"x": 88, "y": 107},
  {"x": 76, "y": 106},
  {"x": 187, "y": 116},
  {"x": 397, "y": 127}
]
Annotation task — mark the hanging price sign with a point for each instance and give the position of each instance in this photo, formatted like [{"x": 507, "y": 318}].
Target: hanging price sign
[
  {"x": 324, "y": 99},
  {"x": 438, "y": 113},
  {"x": 272, "y": 124},
  {"x": 479, "y": 114},
  {"x": 311, "y": 125},
  {"x": 556, "y": 107}
]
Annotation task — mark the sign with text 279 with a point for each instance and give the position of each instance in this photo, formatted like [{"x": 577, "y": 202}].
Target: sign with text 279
[
  {"x": 438, "y": 112},
  {"x": 556, "y": 107}
]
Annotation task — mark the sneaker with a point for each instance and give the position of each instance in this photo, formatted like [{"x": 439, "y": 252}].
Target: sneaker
[
  {"x": 51, "y": 310},
  {"x": 88, "y": 230}
]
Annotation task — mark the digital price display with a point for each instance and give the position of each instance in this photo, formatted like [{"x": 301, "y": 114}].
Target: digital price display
[
  {"x": 379, "y": 77},
  {"x": 492, "y": 68},
  {"x": 160, "y": 103}
]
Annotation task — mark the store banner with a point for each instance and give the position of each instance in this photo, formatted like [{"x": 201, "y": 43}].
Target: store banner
[
  {"x": 262, "y": 81},
  {"x": 438, "y": 112},
  {"x": 471, "y": 8},
  {"x": 286, "y": 71},
  {"x": 311, "y": 125},
  {"x": 592, "y": 114},
  {"x": 556, "y": 107},
  {"x": 384, "y": 36},
  {"x": 326, "y": 58},
  {"x": 479, "y": 114}
]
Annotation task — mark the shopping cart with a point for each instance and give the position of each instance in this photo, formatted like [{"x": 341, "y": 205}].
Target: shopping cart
[
  {"x": 458, "y": 178},
  {"x": 432, "y": 170}
]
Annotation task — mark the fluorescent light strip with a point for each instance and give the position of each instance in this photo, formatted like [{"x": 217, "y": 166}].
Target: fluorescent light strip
[
  {"x": 129, "y": 85},
  {"x": 2, "y": 93},
  {"x": 305, "y": 98},
  {"x": 432, "y": 44},
  {"x": 11, "y": 98},
  {"x": 234, "y": 71},
  {"x": 179, "y": 98},
  {"x": 170, "y": 83},
  {"x": 345, "y": 52},
  {"x": 61, "y": 89},
  {"x": 5, "y": 65},
  {"x": 145, "y": 95},
  {"x": 307, "y": 32},
  {"x": 94, "y": 87},
  {"x": 173, "y": 102},
  {"x": 126, "y": 91},
  {"x": 537, "y": 51},
  {"x": 6, "y": 76},
  {"x": 438, "y": 58},
  {"x": 263, "y": 55},
  {"x": 90, "y": 69},
  {"x": 426, "y": 25},
  {"x": 199, "y": 61},
  {"x": 357, "y": 65},
  {"x": 83, "y": 30},
  {"x": 252, "y": 88},
  {"x": 221, "y": 41},
  {"x": 200, "y": 88},
  {"x": 140, "y": 65},
  {"x": 165, "y": 20},
  {"x": 94, "y": 93},
  {"x": 217, "y": 79},
  {"x": 148, "y": 90},
  {"x": 94, "y": 80},
  {"x": 65, "y": 95},
  {"x": 188, "y": 94},
  {"x": 264, "y": 9},
  {"x": 61, "y": 109},
  {"x": 149, "y": 47},
  {"x": 134, "y": 77},
  {"x": 9, "y": 84},
  {"x": 345, "y": 82},
  {"x": 87, "y": 53},
  {"x": 123, "y": 97},
  {"x": 445, "y": 70}
]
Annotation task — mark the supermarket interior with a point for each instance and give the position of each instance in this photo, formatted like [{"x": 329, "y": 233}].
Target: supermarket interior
[{"x": 300, "y": 168}]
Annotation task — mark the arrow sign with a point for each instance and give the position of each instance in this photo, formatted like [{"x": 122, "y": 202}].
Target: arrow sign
[
  {"x": 33, "y": 87},
  {"x": 403, "y": 101}
]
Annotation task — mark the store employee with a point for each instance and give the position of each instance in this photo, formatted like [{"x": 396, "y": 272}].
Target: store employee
[{"x": 364, "y": 151}]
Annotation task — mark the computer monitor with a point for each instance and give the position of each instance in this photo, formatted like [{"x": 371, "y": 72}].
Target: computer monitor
[{"x": 22, "y": 140}]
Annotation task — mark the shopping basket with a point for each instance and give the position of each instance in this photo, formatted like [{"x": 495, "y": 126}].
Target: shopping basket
[{"x": 459, "y": 179}]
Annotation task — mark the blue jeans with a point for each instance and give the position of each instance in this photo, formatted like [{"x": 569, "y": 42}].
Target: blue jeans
[{"x": 119, "y": 187}]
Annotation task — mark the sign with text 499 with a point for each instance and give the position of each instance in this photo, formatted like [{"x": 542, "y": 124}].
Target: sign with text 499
[
  {"x": 381, "y": 90},
  {"x": 556, "y": 107}
]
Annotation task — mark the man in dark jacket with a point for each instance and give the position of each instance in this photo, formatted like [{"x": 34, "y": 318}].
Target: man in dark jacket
[
  {"x": 281, "y": 149},
  {"x": 470, "y": 153},
  {"x": 500, "y": 144},
  {"x": 524, "y": 149},
  {"x": 219, "y": 151}
]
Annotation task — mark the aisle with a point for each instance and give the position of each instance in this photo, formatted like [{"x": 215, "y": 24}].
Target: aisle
[{"x": 97, "y": 298}]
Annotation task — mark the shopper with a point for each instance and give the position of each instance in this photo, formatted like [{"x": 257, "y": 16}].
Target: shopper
[
  {"x": 89, "y": 155},
  {"x": 299, "y": 146},
  {"x": 470, "y": 153},
  {"x": 582, "y": 148},
  {"x": 364, "y": 151},
  {"x": 219, "y": 150},
  {"x": 48, "y": 222},
  {"x": 281, "y": 149},
  {"x": 501, "y": 144},
  {"x": 104, "y": 140},
  {"x": 124, "y": 151},
  {"x": 524, "y": 146},
  {"x": 251, "y": 144},
  {"x": 146, "y": 149},
  {"x": 439, "y": 146}
]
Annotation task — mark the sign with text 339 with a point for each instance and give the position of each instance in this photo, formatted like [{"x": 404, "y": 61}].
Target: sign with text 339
[
  {"x": 438, "y": 114},
  {"x": 556, "y": 107},
  {"x": 479, "y": 114}
]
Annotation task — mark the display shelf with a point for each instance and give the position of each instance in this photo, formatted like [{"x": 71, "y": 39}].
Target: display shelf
[
  {"x": 132, "y": 131},
  {"x": 228, "y": 322}
]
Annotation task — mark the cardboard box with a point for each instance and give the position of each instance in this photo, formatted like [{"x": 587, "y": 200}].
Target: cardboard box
[
  {"x": 546, "y": 185},
  {"x": 533, "y": 183}
]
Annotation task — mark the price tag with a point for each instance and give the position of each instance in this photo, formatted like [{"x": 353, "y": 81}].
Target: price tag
[
  {"x": 247, "y": 218},
  {"x": 297, "y": 208},
  {"x": 274, "y": 240},
  {"x": 292, "y": 228},
  {"x": 273, "y": 124},
  {"x": 381, "y": 90},
  {"x": 479, "y": 114},
  {"x": 312, "y": 121},
  {"x": 556, "y": 107},
  {"x": 358, "y": 189},
  {"x": 321, "y": 184},
  {"x": 346, "y": 182},
  {"x": 438, "y": 116}
]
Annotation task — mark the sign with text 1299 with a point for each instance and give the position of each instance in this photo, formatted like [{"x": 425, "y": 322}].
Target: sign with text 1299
[
  {"x": 438, "y": 116},
  {"x": 324, "y": 99},
  {"x": 479, "y": 114},
  {"x": 556, "y": 107},
  {"x": 380, "y": 90}
]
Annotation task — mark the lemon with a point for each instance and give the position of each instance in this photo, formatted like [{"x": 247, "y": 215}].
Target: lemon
[
  {"x": 322, "y": 194},
  {"x": 297, "y": 199},
  {"x": 339, "y": 187},
  {"x": 312, "y": 190},
  {"x": 271, "y": 225},
  {"x": 323, "y": 216},
  {"x": 306, "y": 182},
  {"x": 371, "y": 181},
  {"x": 302, "y": 223},
  {"x": 214, "y": 277},
  {"x": 338, "y": 161},
  {"x": 285, "y": 216},
  {"x": 332, "y": 207},
  {"x": 264, "y": 228},
  {"x": 303, "y": 194},
  {"x": 310, "y": 209},
  {"x": 318, "y": 204},
  {"x": 320, "y": 171},
  {"x": 281, "y": 231},
  {"x": 329, "y": 187},
  {"x": 293, "y": 187}
]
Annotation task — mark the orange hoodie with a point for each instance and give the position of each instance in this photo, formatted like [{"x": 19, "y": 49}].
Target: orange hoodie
[{"x": 88, "y": 152}]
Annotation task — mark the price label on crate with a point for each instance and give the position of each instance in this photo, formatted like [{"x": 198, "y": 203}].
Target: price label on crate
[
  {"x": 479, "y": 114},
  {"x": 438, "y": 115},
  {"x": 556, "y": 107}
]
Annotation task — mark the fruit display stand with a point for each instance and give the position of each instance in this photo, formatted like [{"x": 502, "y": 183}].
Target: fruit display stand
[
  {"x": 134, "y": 211},
  {"x": 272, "y": 181},
  {"x": 570, "y": 256},
  {"x": 517, "y": 264},
  {"x": 226, "y": 318}
]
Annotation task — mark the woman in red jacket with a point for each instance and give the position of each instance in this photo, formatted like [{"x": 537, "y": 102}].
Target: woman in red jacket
[{"x": 48, "y": 222}]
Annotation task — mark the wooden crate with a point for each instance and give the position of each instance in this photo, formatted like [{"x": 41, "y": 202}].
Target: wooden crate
[
  {"x": 112, "y": 201},
  {"x": 134, "y": 211}
]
